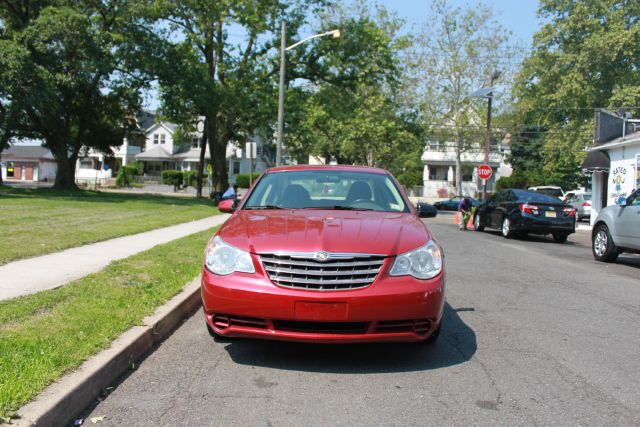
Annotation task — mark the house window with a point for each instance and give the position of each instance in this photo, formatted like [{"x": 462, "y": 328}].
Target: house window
[
  {"x": 236, "y": 168},
  {"x": 195, "y": 142},
  {"x": 155, "y": 139},
  {"x": 162, "y": 138}
]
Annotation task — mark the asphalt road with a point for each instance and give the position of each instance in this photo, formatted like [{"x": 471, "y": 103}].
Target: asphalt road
[{"x": 535, "y": 333}]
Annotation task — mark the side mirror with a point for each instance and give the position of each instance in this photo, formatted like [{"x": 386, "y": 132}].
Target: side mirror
[
  {"x": 227, "y": 206},
  {"x": 425, "y": 210}
]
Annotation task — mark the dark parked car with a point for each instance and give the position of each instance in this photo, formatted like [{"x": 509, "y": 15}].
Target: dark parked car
[
  {"x": 518, "y": 211},
  {"x": 452, "y": 204}
]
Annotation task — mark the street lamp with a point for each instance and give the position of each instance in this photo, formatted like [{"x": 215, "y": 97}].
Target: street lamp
[
  {"x": 334, "y": 34},
  {"x": 487, "y": 92}
]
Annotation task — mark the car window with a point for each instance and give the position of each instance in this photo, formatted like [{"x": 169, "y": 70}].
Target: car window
[
  {"x": 529, "y": 196},
  {"x": 327, "y": 189},
  {"x": 553, "y": 192}
]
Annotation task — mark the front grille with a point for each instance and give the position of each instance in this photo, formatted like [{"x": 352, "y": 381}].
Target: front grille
[
  {"x": 322, "y": 327},
  {"x": 338, "y": 272}
]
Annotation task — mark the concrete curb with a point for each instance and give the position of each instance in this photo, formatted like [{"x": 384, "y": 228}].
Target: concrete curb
[{"x": 62, "y": 402}]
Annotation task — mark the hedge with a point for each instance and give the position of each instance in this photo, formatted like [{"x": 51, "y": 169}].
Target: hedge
[
  {"x": 172, "y": 177},
  {"x": 242, "y": 180}
]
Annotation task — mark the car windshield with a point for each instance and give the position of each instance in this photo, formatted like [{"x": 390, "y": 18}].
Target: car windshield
[
  {"x": 553, "y": 192},
  {"x": 529, "y": 196},
  {"x": 326, "y": 189},
  {"x": 586, "y": 197}
]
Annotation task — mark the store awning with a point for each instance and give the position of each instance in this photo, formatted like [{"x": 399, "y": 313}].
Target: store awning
[{"x": 596, "y": 161}]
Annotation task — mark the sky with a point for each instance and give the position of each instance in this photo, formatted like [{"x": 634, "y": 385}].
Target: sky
[{"x": 518, "y": 16}]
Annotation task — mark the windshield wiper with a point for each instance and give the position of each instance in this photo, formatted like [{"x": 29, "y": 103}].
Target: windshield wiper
[
  {"x": 348, "y": 208},
  {"x": 264, "y": 207}
]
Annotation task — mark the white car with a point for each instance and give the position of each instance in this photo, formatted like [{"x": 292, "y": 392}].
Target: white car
[
  {"x": 549, "y": 190},
  {"x": 617, "y": 229}
]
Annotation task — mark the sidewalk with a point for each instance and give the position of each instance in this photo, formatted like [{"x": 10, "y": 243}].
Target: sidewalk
[{"x": 33, "y": 275}]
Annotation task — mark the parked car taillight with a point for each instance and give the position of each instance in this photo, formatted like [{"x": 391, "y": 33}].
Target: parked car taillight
[
  {"x": 569, "y": 211},
  {"x": 530, "y": 209},
  {"x": 586, "y": 204}
]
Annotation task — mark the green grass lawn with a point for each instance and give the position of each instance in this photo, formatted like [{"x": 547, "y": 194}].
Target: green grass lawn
[
  {"x": 44, "y": 335},
  {"x": 37, "y": 222}
]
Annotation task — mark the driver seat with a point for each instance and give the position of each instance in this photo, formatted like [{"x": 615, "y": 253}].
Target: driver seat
[{"x": 358, "y": 190}]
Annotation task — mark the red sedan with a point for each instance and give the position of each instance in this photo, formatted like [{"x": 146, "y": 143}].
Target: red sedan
[{"x": 328, "y": 254}]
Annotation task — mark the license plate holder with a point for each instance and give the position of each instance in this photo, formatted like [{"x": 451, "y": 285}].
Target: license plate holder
[
  {"x": 321, "y": 311},
  {"x": 550, "y": 214}
]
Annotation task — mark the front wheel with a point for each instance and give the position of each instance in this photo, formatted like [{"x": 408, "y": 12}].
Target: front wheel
[
  {"x": 602, "y": 245},
  {"x": 476, "y": 223},
  {"x": 507, "y": 231}
]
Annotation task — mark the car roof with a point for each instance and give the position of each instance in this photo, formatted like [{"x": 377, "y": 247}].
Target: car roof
[{"x": 348, "y": 168}]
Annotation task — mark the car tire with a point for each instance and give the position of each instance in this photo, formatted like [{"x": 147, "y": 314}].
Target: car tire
[
  {"x": 434, "y": 335},
  {"x": 602, "y": 245},
  {"x": 560, "y": 237},
  {"x": 216, "y": 336},
  {"x": 476, "y": 223},
  {"x": 505, "y": 228}
]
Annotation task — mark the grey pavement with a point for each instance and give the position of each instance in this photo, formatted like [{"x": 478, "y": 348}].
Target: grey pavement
[
  {"x": 37, "y": 274},
  {"x": 534, "y": 333}
]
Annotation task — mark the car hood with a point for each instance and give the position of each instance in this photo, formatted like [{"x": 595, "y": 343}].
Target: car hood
[{"x": 385, "y": 233}]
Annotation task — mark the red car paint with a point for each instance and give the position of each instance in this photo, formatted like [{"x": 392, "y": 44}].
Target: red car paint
[{"x": 391, "y": 308}]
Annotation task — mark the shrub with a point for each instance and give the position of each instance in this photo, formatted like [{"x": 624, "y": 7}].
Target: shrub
[
  {"x": 517, "y": 180},
  {"x": 123, "y": 179},
  {"x": 190, "y": 178},
  {"x": 242, "y": 180},
  {"x": 172, "y": 177}
]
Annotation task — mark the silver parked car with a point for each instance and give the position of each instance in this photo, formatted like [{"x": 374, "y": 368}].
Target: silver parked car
[
  {"x": 581, "y": 202},
  {"x": 617, "y": 229}
]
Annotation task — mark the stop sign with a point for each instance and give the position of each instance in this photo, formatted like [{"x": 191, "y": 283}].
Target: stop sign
[{"x": 484, "y": 172}]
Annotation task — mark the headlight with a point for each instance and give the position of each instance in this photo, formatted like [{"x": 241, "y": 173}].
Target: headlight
[
  {"x": 422, "y": 263},
  {"x": 222, "y": 259}
]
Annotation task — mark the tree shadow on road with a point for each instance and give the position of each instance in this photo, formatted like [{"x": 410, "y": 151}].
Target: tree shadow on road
[{"x": 456, "y": 345}]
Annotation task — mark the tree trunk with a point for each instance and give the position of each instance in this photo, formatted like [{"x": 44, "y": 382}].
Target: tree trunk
[
  {"x": 459, "y": 166},
  {"x": 1, "y": 163},
  {"x": 217, "y": 151},
  {"x": 66, "y": 167},
  {"x": 203, "y": 149}
]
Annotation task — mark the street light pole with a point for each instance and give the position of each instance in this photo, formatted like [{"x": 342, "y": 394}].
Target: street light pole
[
  {"x": 281, "y": 96},
  {"x": 283, "y": 49}
]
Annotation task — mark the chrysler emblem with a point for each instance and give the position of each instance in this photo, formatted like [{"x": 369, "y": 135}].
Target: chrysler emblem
[{"x": 321, "y": 256}]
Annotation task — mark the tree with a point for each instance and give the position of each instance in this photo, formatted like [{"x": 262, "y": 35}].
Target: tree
[
  {"x": 350, "y": 110},
  {"x": 202, "y": 72},
  {"x": 457, "y": 52},
  {"x": 587, "y": 55},
  {"x": 65, "y": 72}
]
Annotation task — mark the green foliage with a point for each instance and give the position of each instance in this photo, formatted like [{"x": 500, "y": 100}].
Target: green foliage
[
  {"x": 172, "y": 177},
  {"x": 513, "y": 181},
  {"x": 123, "y": 178},
  {"x": 585, "y": 56},
  {"x": 242, "y": 180},
  {"x": 190, "y": 178},
  {"x": 59, "y": 69}
]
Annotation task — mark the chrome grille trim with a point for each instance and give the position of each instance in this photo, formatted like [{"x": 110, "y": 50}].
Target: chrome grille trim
[{"x": 339, "y": 271}]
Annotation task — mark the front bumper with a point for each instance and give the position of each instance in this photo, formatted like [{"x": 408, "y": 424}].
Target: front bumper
[{"x": 390, "y": 309}]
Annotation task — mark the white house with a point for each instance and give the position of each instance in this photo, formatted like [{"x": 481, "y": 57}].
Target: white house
[
  {"x": 439, "y": 168},
  {"x": 613, "y": 160}
]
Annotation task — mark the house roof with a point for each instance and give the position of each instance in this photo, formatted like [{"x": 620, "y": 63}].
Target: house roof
[
  {"x": 632, "y": 139},
  {"x": 27, "y": 152},
  {"x": 171, "y": 127},
  {"x": 156, "y": 153},
  {"x": 193, "y": 155}
]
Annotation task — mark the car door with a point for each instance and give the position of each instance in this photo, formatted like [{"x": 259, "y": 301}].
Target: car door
[
  {"x": 628, "y": 222},
  {"x": 497, "y": 209}
]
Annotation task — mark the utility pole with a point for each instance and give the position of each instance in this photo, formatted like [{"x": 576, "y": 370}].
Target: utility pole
[
  {"x": 283, "y": 48},
  {"x": 487, "y": 143}
]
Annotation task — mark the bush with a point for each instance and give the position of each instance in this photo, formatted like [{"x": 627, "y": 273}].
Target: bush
[
  {"x": 190, "y": 178},
  {"x": 242, "y": 180},
  {"x": 123, "y": 179},
  {"x": 517, "y": 180},
  {"x": 172, "y": 177}
]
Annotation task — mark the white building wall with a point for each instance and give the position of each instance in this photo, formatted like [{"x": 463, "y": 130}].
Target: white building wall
[
  {"x": 160, "y": 131},
  {"x": 622, "y": 173},
  {"x": 47, "y": 171}
]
